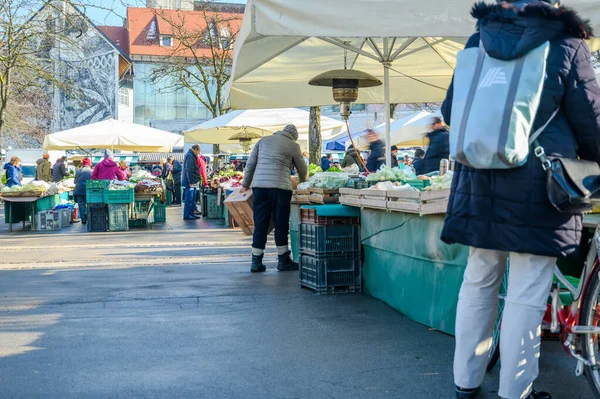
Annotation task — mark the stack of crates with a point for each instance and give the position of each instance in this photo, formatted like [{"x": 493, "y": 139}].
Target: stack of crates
[
  {"x": 330, "y": 252},
  {"x": 94, "y": 191},
  {"x": 294, "y": 231},
  {"x": 213, "y": 209},
  {"x": 160, "y": 212}
]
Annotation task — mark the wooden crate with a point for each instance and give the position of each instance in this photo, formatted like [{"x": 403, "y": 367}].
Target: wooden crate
[
  {"x": 324, "y": 195},
  {"x": 422, "y": 202},
  {"x": 374, "y": 199}
]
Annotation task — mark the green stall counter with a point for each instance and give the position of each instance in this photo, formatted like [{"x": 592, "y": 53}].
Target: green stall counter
[{"x": 407, "y": 266}]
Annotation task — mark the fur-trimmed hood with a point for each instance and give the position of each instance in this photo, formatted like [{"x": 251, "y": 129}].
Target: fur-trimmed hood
[{"x": 510, "y": 29}]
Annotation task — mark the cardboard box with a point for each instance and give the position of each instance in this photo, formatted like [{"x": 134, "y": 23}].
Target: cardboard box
[
  {"x": 240, "y": 208},
  {"x": 48, "y": 220}
]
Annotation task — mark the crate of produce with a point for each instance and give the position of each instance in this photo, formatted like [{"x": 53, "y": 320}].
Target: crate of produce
[
  {"x": 97, "y": 218},
  {"x": 331, "y": 276},
  {"x": 119, "y": 196},
  {"x": 94, "y": 195},
  {"x": 329, "y": 215},
  {"x": 213, "y": 209},
  {"x": 327, "y": 241},
  {"x": 418, "y": 184},
  {"x": 97, "y": 183},
  {"x": 47, "y": 203},
  {"x": 118, "y": 217},
  {"x": 160, "y": 212}
]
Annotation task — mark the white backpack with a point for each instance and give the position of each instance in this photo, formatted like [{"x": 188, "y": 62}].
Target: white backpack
[{"x": 494, "y": 106}]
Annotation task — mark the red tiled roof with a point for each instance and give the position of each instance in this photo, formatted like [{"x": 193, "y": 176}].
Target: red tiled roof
[
  {"x": 118, "y": 35},
  {"x": 141, "y": 21}
]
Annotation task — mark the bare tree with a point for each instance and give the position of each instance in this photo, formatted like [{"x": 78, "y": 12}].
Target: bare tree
[{"x": 200, "y": 61}]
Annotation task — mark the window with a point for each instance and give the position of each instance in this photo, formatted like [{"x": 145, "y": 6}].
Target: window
[
  {"x": 166, "y": 41},
  {"x": 123, "y": 97}
]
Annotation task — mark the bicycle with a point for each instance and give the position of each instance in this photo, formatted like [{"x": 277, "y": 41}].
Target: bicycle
[{"x": 577, "y": 324}]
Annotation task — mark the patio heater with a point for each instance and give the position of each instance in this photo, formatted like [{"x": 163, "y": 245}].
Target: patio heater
[
  {"x": 245, "y": 138},
  {"x": 345, "y": 84}
]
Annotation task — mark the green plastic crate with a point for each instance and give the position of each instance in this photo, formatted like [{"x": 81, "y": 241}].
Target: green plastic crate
[
  {"x": 418, "y": 184},
  {"x": 169, "y": 198},
  {"x": 213, "y": 211},
  {"x": 330, "y": 241},
  {"x": 97, "y": 183},
  {"x": 294, "y": 245},
  {"x": 118, "y": 217},
  {"x": 94, "y": 195},
  {"x": 47, "y": 203},
  {"x": 160, "y": 212},
  {"x": 119, "y": 196}
]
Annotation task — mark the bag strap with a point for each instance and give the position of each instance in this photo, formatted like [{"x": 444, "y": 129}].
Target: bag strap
[{"x": 538, "y": 149}]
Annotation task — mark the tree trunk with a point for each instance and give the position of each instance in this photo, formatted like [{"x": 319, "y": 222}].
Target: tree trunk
[
  {"x": 216, "y": 150},
  {"x": 314, "y": 135}
]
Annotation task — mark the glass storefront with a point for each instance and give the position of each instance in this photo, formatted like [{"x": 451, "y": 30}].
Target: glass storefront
[{"x": 157, "y": 101}]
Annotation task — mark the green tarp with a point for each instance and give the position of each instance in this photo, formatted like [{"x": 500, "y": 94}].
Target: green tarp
[{"x": 408, "y": 267}]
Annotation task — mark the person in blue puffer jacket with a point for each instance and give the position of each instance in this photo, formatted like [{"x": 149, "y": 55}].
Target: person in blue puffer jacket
[{"x": 13, "y": 172}]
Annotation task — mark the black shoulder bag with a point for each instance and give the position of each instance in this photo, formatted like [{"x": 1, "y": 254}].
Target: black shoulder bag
[{"x": 570, "y": 183}]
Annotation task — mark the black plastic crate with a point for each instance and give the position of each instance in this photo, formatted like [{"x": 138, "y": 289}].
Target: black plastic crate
[
  {"x": 331, "y": 276},
  {"x": 309, "y": 216},
  {"x": 97, "y": 218},
  {"x": 324, "y": 241}
]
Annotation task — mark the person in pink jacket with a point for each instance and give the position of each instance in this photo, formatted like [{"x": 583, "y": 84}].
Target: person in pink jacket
[{"x": 107, "y": 169}]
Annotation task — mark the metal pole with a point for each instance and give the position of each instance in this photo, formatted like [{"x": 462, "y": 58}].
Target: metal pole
[{"x": 386, "y": 95}]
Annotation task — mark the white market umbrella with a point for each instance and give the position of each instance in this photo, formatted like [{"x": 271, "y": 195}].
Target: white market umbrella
[
  {"x": 115, "y": 135},
  {"x": 410, "y": 45},
  {"x": 262, "y": 122}
]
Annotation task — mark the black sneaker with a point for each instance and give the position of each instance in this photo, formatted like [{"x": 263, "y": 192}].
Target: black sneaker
[
  {"x": 257, "y": 265},
  {"x": 285, "y": 263},
  {"x": 539, "y": 395},
  {"x": 466, "y": 393}
]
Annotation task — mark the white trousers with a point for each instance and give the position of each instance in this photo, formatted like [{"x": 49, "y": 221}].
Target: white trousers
[{"x": 529, "y": 282}]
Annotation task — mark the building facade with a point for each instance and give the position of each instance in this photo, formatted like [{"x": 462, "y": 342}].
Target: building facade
[{"x": 88, "y": 62}]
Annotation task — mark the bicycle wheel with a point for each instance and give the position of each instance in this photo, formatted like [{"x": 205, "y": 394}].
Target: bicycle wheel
[
  {"x": 590, "y": 316},
  {"x": 494, "y": 354}
]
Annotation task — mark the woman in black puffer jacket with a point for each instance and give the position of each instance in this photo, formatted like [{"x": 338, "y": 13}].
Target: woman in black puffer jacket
[{"x": 498, "y": 213}]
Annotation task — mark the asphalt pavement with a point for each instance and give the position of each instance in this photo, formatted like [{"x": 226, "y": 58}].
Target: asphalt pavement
[{"x": 173, "y": 312}]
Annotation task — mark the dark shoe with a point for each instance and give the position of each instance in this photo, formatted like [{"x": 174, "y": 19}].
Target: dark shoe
[
  {"x": 84, "y": 222},
  {"x": 191, "y": 218},
  {"x": 257, "y": 265},
  {"x": 539, "y": 395},
  {"x": 286, "y": 263},
  {"x": 466, "y": 393}
]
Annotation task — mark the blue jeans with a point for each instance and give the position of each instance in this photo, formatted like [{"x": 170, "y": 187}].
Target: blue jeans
[
  {"x": 190, "y": 202},
  {"x": 80, "y": 199}
]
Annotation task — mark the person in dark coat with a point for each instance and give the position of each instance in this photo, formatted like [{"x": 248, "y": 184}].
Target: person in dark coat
[
  {"x": 326, "y": 162},
  {"x": 79, "y": 193},
  {"x": 43, "y": 170},
  {"x": 502, "y": 212},
  {"x": 191, "y": 182},
  {"x": 377, "y": 153},
  {"x": 177, "y": 169},
  {"x": 439, "y": 147},
  {"x": 417, "y": 162},
  {"x": 59, "y": 169},
  {"x": 351, "y": 158},
  {"x": 394, "y": 150}
]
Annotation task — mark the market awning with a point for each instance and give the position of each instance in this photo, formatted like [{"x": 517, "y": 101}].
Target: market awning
[
  {"x": 114, "y": 135},
  {"x": 260, "y": 122},
  {"x": 410, "y": 45},
  {"x": 155, "y": 157}
]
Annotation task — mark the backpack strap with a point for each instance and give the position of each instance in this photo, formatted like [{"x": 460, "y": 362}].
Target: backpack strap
[{"x": 534, "y": 136}]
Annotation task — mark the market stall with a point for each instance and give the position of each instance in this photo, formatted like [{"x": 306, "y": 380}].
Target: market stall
[{"x": 45, "y": 206}]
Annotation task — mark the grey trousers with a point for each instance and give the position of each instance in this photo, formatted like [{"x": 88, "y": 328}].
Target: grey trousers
[{"x": 529, "y": 282}]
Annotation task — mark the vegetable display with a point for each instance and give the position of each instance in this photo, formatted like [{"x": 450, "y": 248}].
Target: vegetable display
[
  {"x": 441, "y": 182},
  {"x": 392, "y": 174},
  {"x": 227, "y": 179},
  {"x": 334, "y": 169},
  {"x": 314, "y": 169},
  {"x": 325, "y": 180},
  {"x": 141, "y": 175}
]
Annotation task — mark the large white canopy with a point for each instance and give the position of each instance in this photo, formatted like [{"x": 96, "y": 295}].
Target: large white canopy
[
  {"x": 410, "y": 45},
  {"x": 116, "y": 135},
  {"x": 259, "y": 121}
]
